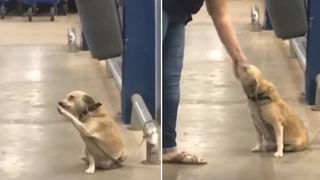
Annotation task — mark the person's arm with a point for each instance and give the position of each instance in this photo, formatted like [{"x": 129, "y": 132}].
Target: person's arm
[{"x": 218, "y": 11}]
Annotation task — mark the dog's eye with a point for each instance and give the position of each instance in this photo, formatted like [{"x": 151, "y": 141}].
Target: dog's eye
[{"x": 71, "y": 97}]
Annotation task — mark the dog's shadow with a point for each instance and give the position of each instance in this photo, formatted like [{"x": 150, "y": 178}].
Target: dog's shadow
[{"x": 74, "y": 168}]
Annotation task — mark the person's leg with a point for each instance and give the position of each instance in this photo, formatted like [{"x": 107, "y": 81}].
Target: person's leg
[
  {"x": 165, "y": 24},
  {"x": 173, "y": 50},
  {"x": 172, "y": 62}
]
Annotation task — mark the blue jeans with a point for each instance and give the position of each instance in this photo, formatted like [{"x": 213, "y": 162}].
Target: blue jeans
[{"x": 172, "y": 62}]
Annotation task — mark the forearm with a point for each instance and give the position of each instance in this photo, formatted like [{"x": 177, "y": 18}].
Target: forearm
[
  {"x": 222, "y": 21},
  {"x": 228, "y": 38}
]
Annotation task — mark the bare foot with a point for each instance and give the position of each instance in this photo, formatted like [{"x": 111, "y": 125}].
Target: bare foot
[{"x": 182, "y": 157}]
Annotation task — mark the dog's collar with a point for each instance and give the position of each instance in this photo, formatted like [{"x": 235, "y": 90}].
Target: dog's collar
[
  {"x": 91, "y": 109},
  {"x": 260, "y": 97}
]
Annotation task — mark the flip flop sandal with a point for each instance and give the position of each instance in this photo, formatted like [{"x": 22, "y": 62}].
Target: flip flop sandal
[{"x": 185, "y": 158}]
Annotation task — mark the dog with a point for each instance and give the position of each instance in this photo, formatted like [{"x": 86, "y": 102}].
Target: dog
[
  {"x": 104, "y": 144},
  {"x": 278, "y": 127}
]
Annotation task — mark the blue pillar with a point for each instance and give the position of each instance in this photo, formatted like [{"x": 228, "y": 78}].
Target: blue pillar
[
  {"x": 313, "y": 51},
  {"x": 267, "y": 23},
  {"x": 83, "y": 43},
  {"x": 138, "y": 69}
]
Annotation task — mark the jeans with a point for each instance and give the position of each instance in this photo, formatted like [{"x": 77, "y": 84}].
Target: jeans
[{"x": 172, "y": 62}]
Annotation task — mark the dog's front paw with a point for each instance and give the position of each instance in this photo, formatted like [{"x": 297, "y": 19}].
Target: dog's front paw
[
  {"x": 90, "y": 170},
  {"x": 278, "y": 154},
  {"x": 257, "y": 148}
]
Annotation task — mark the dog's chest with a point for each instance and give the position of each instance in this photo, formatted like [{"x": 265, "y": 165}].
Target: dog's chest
[
  {"x": 260, "y": 122},
  {"x": 256, "y": 115}
]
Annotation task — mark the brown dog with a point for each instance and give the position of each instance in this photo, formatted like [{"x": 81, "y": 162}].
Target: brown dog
[
  {"x": 105, "y": 147},
  {"x": 278, "y": 127}
]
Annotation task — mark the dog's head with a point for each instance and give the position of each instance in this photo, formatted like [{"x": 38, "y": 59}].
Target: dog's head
[
  {"x": 76, "y": 102},
  {"x": 250, "y": 78}
]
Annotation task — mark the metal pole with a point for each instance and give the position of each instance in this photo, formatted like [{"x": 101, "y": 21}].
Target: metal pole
[
  {"x": 72, "y": 40},
  {"x": 113, "y": 67},
  {"x": 141, "y": 119},
  {"x": 158, "y": 56},
  {"x": 299, "y": 50},
  {"x": 316, "y": 107},
  {"x": 151, "y": 133},
  {"x": 255, "y": 19}
]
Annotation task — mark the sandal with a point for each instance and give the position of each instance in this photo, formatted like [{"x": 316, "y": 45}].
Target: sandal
[{"x": 184, "y": 158}]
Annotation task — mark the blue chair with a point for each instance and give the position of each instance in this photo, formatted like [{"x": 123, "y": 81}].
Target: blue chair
[
  {"x": 32, "y": 6},
  {"x": 3, "y": 8}
]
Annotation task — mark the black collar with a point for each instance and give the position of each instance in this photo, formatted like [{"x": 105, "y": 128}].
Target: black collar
[
  {"x": 91, "y": 109},
  {"x": 260, "y": 97}
]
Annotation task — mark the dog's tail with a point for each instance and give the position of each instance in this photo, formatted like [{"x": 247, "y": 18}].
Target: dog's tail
[{"x": 298, "y": 145}]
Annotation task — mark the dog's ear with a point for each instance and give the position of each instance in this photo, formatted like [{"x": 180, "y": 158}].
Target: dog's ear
[
  {"x": 88, "y": 100},
  {"x": 251, "y": 88}
]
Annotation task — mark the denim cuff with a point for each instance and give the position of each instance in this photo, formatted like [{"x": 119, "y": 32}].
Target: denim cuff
[{"x": 168, "y": 150}]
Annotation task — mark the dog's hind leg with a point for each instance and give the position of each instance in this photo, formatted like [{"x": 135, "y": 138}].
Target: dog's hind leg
[
  {"x": 108, "y": 164},
  {"x": 295, "y": 145}
]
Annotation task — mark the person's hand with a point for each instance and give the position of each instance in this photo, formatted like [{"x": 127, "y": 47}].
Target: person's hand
[{"x": 238, "y": 62}]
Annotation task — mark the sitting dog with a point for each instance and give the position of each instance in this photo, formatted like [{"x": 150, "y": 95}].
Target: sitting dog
[
  {"x": 104, "y": 145},
  {"x": 277, "y": 126}
]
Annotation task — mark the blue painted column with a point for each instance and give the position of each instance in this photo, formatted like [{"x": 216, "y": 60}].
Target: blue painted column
[
  {"x": 83, "y": 43},
  {"x": 267, "y": 23},
  {"x": 138, "y": 69},
  {"x": 313, "y": 50}
]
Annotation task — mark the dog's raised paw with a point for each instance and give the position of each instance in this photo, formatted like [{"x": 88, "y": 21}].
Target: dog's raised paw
[
  {"x": 89, "y": 171},
  {"x": 278, "y": 154}
]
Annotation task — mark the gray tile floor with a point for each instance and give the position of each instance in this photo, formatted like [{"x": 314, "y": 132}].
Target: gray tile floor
[
  {"x": 213, "y": 119},
  {"x": 36, "y": 71}
]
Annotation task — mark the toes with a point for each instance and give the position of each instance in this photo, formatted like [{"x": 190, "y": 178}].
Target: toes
[
  {"x": 278, "y": 154},
  {"x": 89, "y": 170},
  {"x": 184, "y": 158},
  {"x": 255, "y": 149}
]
